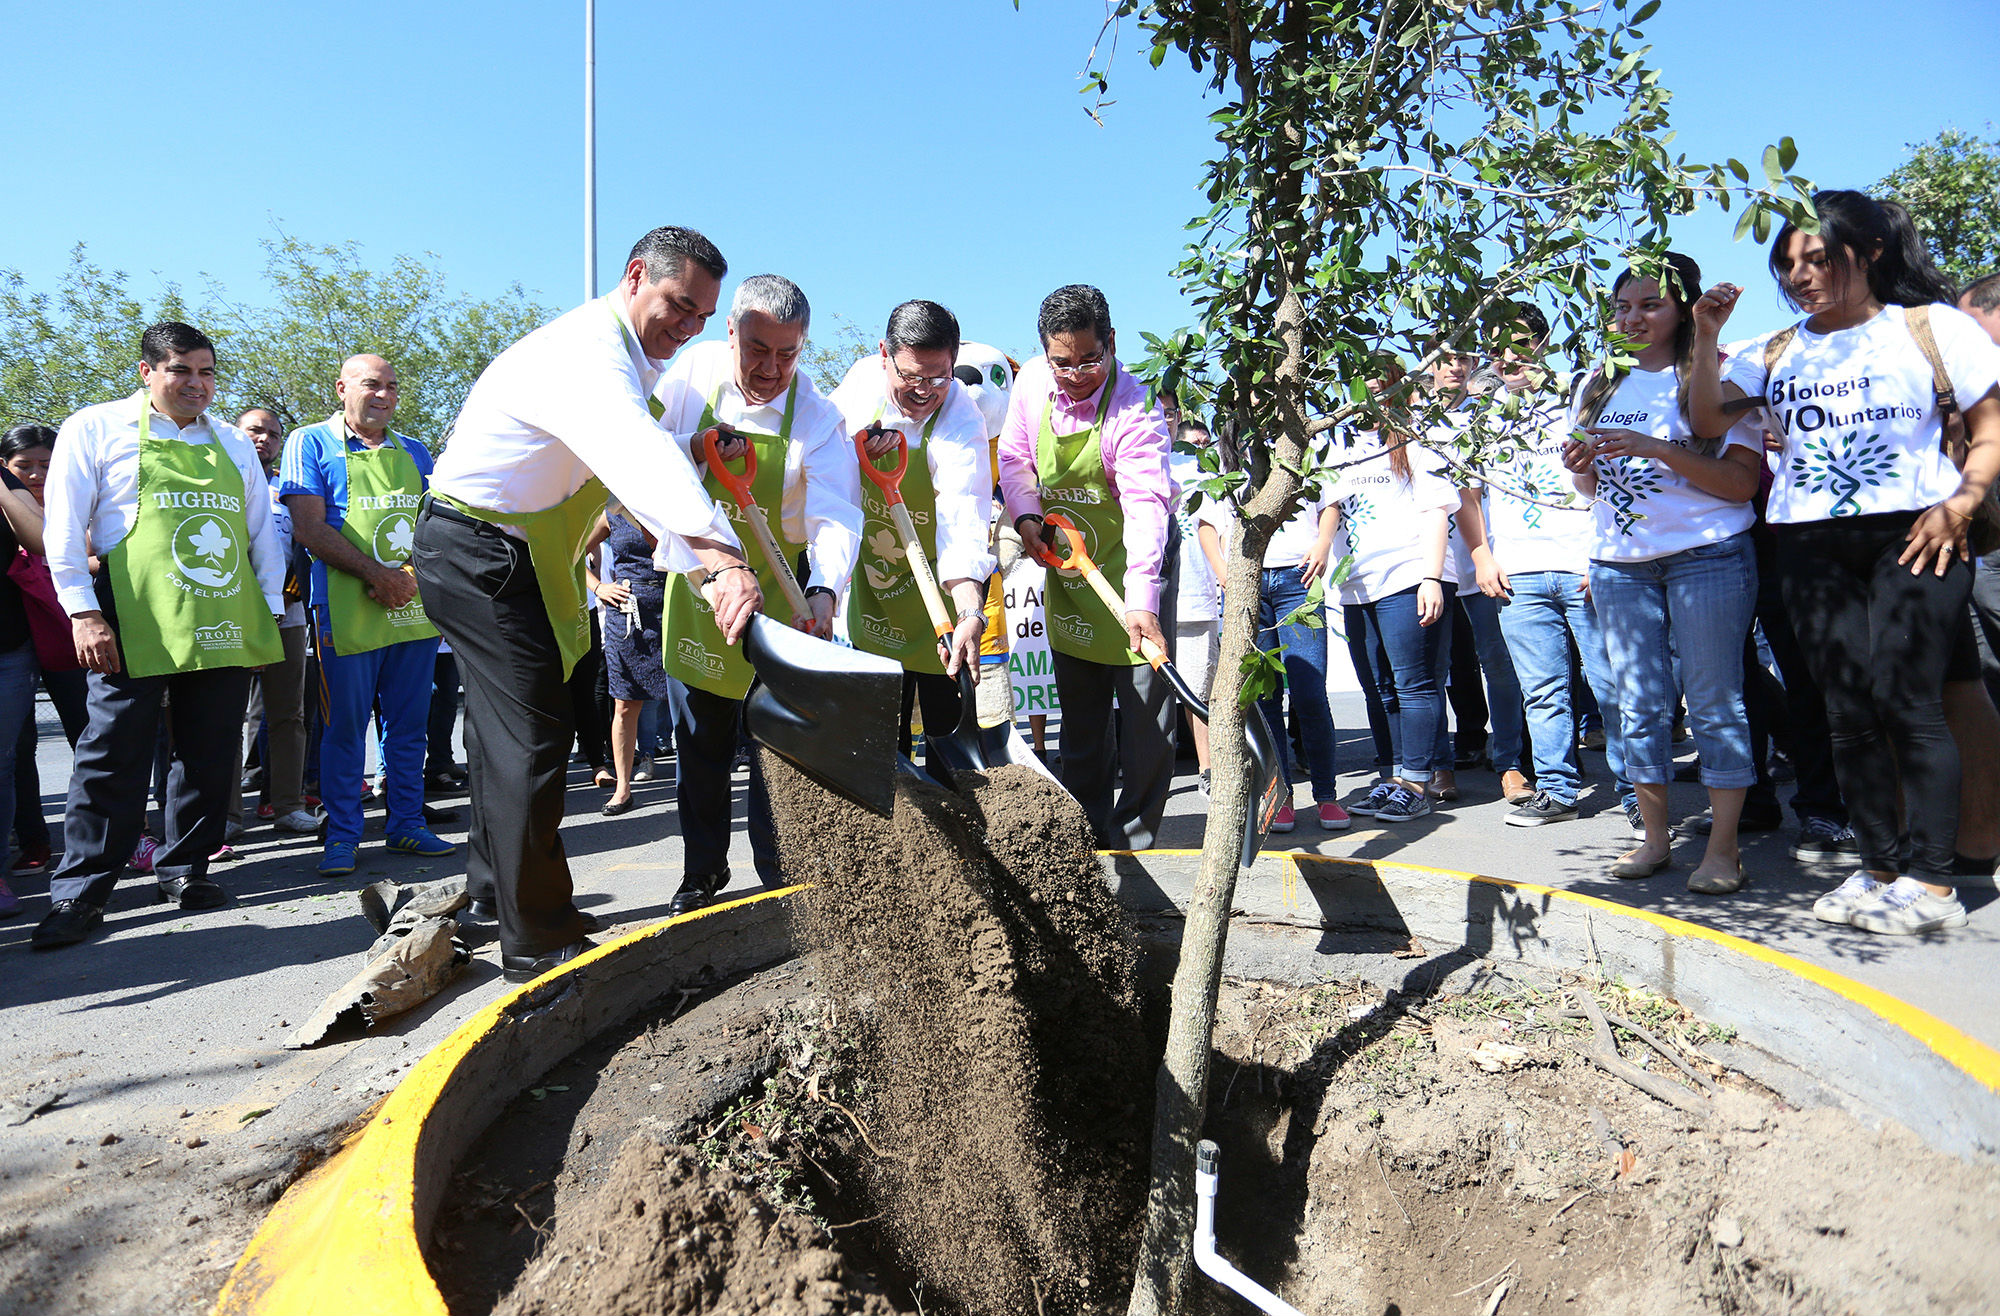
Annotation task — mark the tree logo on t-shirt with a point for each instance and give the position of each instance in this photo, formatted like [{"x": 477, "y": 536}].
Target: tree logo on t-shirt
[
  {"x": 1843, "y": 466},
  {"x": 1355, "y": 512},
  {"x": 1625, "y": 482}
]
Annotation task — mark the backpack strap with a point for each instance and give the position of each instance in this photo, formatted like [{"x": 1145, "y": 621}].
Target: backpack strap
[{"x": 1951, "y": 421}]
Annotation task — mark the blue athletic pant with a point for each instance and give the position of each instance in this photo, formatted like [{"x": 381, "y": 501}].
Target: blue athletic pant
[{"x": 398, "y": 677}]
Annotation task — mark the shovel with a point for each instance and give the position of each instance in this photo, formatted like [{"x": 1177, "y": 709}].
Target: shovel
[
  {"x": 1264, "y": 761},
  {"x": 738, "y": 485},
  {"x": 969, "y": 745}
]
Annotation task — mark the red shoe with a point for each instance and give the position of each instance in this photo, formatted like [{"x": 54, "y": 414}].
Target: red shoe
[
  {"x": 142, "y": 854},
  {"x": 1334, "y": 818},
  {"x": 32, "y": 859},
  {"x": 266, "y": 812},
  {"x": 1286, "y": 819},
  {"x": 309, "y": 801}
]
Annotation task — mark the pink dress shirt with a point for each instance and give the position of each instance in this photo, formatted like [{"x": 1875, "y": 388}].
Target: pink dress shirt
[{"x": 1135, "y": 443}]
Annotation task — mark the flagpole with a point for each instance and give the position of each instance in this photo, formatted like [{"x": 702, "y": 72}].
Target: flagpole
[{"x": 589, "y": 149}]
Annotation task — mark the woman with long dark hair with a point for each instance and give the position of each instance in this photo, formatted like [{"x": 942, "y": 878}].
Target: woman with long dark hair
[
  {"x": 1672, "y": 571},
  {"x": 1870, "y": 512}
]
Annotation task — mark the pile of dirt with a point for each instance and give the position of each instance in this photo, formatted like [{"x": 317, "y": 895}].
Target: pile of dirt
[
  {"x": 667, "y": 1235},
  {"x": 1003, "y": 1064}
]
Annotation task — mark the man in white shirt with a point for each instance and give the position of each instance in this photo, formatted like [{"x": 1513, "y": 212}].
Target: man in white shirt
[
  {"x": 184, "y": 605},
  {"x": 908, "y": 389},
  {"x": 751, "y": 391},
  {"x": 498, "y": 551}
]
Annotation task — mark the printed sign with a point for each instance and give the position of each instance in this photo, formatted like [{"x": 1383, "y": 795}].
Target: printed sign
[{"x": 1028, "y": 668}]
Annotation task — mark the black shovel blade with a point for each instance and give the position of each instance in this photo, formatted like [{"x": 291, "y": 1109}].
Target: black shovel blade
[
  {"x": 830, "y": 710},
  {"x": 972, "y": 747}
]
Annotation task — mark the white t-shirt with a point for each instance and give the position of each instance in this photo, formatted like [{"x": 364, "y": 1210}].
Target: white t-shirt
[
  {"x": 1644, "y": 509},
  {"x": 1295, "y": 538},
  {"x": 1198, "y": 586},
  {"x": 281, "y": 523},
  {"x": 1381, "y": 517},
  {"x": 1861, "y": 423},
  {"x": 1525, "y": 529}
]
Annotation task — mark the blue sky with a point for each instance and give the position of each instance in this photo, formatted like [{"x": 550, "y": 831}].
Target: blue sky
[{"x": 871, "y": 152}]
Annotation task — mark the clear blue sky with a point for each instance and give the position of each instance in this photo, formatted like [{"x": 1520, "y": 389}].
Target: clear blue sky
[{"x": 872, "y": 152}]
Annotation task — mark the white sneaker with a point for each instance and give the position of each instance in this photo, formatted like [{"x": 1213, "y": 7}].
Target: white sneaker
[
  {"x": 299, "y": 822},
  {"x": 1839, "y": 904},
  {"x": 1907, "y": 907}
]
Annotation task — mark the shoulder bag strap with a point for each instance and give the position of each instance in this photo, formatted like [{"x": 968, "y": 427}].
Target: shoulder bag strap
[{"x": 1951, "y": 429}]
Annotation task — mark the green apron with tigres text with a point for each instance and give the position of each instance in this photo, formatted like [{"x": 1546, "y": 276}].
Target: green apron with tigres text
[
  {"x": 182, "y": 579},
  {"x": 1071, "y": 472},
  {"x": 886, "y": 613},
  {"x": 384, "y": 491},
  {"x": 556, "y": 536},
  {"x": 691, "y": 644}
]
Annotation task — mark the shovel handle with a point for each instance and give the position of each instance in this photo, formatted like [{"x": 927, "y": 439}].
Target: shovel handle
[
  {"x": 889, "y": 482},
  {"x": 1079, "y": 559},
  {"x": 760, "y": 527},
  {"x": 738, "y": 485}
]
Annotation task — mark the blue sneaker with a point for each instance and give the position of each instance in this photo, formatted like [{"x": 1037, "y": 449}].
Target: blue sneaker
[
  {"x": 421, "y": 843},
  {"x": 337, "y": 860}
]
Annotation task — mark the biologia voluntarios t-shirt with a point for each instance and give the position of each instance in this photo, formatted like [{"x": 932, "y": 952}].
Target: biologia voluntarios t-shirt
[
  {"x": 1645, "y": 509},
  {"x": 1535, "y": 519},
  {"x": 1860, "y": 419},
  {"x": 1381, "y": 517}
]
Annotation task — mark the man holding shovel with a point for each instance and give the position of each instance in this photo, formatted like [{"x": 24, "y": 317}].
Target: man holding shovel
[
  {"x": 911, "y": 407},
  {"x": 1081, "y": 438},
  {"x": 498, "y": 560},
  {"x": 783, "y": 468}
]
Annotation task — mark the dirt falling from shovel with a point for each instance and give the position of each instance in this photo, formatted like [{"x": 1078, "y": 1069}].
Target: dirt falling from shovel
[{"x": 994, "y": 977}]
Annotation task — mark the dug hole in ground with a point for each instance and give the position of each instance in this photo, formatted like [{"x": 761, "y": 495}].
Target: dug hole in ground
[{"x": 945, "y": 1107}]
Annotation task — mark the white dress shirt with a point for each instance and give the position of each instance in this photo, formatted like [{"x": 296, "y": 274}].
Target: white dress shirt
[
  {"x": 563, "y": 404},
  {"x": 961, "y": 465},
  {"x": 822, "y": 503},
  {"x": 93, "y": 496}
]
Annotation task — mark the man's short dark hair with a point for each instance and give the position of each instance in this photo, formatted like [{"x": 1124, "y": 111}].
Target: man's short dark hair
[
  {"x": 1508, "y": 317},
  {"x": 170, "y": 338},
  {"x": 923, "y": 326},
  {"x": 667, "y": 250},
  {"x": 1074, "y": 307},
  {"x": 1188, "y": 429},
  {"x": 1984, "y": 292}
]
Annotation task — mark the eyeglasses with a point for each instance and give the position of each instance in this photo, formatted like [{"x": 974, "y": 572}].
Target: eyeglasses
[
  {"x": 1082, "y": 370},
  {"x": 923, "y": 381}
]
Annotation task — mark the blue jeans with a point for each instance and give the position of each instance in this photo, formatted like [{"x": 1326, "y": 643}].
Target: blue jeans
[
  {"x": 1696, "y": 604},
  {"x": 1413, "y": 688},
  {"x": 1503, "y": 686},
  {"x": 1547, "y": 611},
  {"x": 397, "y": 679},
  {"x": 17, "y": 710},
  {"x": 1304, "y": 649}
]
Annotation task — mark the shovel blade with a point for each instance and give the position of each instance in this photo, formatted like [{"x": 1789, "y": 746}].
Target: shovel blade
[
  {"x": 1266, "y": 768},
  {"x": 830, "y": 710}
]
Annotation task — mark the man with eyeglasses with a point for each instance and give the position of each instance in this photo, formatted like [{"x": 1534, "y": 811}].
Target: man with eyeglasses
[
  {"x": 1081, "y": 438},
  {"x": 906, "y": 394}
]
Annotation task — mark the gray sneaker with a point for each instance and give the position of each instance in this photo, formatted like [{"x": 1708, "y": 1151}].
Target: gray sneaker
[
  {"x": 1368, "y": 804},
  {"x": 1906, "y": 908},
  {"x": 642, "y": 767},
  {"x": 1823, "y": 841},
  {"x": 1539, "y": 810},
  {"x": 1403, "y": 805},
  {"x": 1635, "y": 821}
]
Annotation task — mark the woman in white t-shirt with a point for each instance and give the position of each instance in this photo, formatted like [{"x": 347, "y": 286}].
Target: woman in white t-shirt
[
  {"x": 1392, "y": 501},
  {"x": 1672, "y": 570},
  {"x": 1870, "y": 517}
]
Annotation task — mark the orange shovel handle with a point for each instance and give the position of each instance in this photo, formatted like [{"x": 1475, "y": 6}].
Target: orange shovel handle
[
  {"x": 889, "y": 482},
  {"x": 738, "y": 485},
  {"x": 1079, "y": 558}
]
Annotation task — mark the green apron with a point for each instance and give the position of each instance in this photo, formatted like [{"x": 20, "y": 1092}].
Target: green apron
[
  {"x": 384, "y": 491},
  {"x": 182, "y": 580},
  {"x": 1071, "y": 471},
  {"x": 556, "y": 536},
  {"x": 886, "y": 614},
  {"x": 691, "y": 643}
]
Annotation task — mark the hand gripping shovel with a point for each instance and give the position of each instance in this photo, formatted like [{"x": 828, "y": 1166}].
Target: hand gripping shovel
[
  {"x": 1264, "y": 761},
  {"x": 830, "y": 710},
  {"x": 969, "y": 745}
]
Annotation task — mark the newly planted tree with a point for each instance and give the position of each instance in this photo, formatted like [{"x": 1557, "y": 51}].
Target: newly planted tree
[{"x": 1392, "y": 179}]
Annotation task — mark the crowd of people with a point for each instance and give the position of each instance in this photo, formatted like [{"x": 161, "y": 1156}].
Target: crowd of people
[{"x": 1771, "y": 543}]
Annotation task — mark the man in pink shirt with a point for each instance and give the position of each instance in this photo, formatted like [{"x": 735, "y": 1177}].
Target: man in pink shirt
[{"x": 1081, "y": 439}]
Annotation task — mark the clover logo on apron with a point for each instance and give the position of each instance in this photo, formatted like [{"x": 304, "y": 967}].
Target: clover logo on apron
[{"x": 205, "y": 552}]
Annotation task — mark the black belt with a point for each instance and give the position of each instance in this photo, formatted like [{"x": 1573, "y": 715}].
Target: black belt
[{"x": 439, "y": 507}]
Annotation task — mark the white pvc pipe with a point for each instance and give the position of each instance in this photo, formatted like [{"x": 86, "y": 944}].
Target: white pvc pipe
[{"x": 1206, "y": 1157}]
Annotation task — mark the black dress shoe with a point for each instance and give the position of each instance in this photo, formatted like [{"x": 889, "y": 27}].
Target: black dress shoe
[
  {"x": 432, "y": 815},
  {"x": 193, "y": 893},
  {"x": 485, "y": 912},
  {"x": 697, "y": 891},
  {"x": 68, "y": 923},
  {"x": 527, "y": 968}
]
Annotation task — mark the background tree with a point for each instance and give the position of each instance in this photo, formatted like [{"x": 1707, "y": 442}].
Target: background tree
[
  {"x": 75, "y": 346},
  {"x": 1391, "y": 176},
  {"x": 1951, "y": 185},
  {"x": 832, "y": 349}
]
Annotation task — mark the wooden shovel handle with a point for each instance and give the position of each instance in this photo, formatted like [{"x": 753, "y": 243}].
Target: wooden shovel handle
[{"x": 1079, "y": 559}]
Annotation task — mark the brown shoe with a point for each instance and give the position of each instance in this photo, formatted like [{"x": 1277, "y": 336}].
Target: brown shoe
[
  {"x": 1444, "y": 784},
  {"x": 1514, "y": 787}
]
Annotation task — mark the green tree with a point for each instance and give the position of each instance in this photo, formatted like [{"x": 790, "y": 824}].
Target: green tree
[
  {"x": 75, "y": 346},
  {"x": 1951, "y": 185},
  {"x": 1391, "y": 177},
  {"x": 833, "y": 349},
  {"x": 324, "y": 306}
]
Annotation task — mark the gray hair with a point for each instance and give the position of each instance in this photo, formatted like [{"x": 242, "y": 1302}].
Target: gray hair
[{"x": 773, "y": 295}]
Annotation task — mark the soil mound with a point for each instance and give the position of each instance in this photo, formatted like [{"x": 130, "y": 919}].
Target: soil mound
[
  {"x": 665, "y": 1235},
  {"x": 1003, "y": 1060}
]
